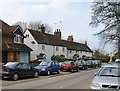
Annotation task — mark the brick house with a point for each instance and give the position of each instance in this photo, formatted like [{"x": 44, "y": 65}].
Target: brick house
[{"x": 13, "y": 47}]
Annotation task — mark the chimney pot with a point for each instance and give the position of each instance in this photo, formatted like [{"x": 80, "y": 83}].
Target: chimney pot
[
  {"x": 70, "y": 38},
  {"x": 42, "y": 28},
  {"x": 59, "y": 30},
  {"x": 57, "y": 33}
]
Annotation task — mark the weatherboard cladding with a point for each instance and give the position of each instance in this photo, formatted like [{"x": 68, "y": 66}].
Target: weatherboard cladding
[{"x": 50, "y": 39}]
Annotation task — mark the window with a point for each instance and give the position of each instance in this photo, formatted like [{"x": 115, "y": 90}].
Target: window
[
  {"x": 63, "y": 49},
  {"x": 19, "y": 66},
  {"x": 26, "y": 66},
  {"x": 56, "y": 48},
  {"x": 17, "y": 38},
  {"x": 52, "y": 63},
  {"x": 70, "y": 51},
  {"x": 32, "y": 42},
  {"x": 27, "y": 35},
  {"x": 76, "y": 51},
  {"x": 43, "y": 47},
  {"x": 56, "y": 63}
]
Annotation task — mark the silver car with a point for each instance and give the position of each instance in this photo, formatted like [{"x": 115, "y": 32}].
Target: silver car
[{"x": 108, "y": 77}]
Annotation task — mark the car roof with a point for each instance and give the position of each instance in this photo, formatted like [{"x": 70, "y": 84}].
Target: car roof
[
  {"x": 117, "y": 60},
  {"x": 112, "y": 65},
  {"x": 80, "y": 60},
  {"x": 17, "y": 62},
  {"x": 68, "y": 61},
  {"x": 13, "y": 62}
]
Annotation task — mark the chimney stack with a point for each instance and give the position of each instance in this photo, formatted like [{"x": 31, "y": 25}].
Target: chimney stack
[
  {"x": 85, "y": 42},
  {"x": 41, "y": 29},
  {"x": 57, "y": 33},
  {"x": 70, "y": 38}
]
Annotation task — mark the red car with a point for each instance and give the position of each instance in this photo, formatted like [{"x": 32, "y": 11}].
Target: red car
[{"x": 69, "y": 66}]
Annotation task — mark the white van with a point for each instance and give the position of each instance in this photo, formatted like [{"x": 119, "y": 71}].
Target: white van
[{"x": 117, "y": 61}]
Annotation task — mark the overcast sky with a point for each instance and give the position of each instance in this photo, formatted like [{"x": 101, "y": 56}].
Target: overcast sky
[{"x": 74, "y": 14}]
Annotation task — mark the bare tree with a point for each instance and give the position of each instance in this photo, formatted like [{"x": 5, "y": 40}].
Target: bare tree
[
  {"x": 108, "y": 14},
  {"x": 34, "y": 26}
]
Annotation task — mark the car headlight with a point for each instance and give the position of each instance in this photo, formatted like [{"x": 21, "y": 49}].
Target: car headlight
[
  {"x": 95, "y": 86},
  {"x": 43, "y": 70}
]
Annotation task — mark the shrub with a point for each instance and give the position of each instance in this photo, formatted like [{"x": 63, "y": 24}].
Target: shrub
[{"x": 59, "y": 58}]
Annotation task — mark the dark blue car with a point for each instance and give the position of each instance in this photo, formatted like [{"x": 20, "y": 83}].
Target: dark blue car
[
  {"x": 48, "y": 66},
  {"x": 15, "y": 70}
]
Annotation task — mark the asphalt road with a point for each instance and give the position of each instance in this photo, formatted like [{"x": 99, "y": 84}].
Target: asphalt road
[{"x": 78, "y": 80}]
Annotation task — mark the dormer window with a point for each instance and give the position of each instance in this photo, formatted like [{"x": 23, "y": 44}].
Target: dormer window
[{"x": 17, "y": 38}]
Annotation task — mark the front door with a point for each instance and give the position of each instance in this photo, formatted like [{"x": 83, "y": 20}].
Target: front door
[{"x": 24, "y": 57}]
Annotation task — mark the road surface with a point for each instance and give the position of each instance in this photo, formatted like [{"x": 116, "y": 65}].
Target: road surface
[{"x": 78, "y": 80}]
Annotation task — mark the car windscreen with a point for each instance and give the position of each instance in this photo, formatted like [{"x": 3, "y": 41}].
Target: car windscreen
[
  {"x": 45, "y": 63},
  {"x": 109, "y": 71},
  {"x": 10, "y": 64},
  {"x": 67, "y": 62},
  {"x": 88, "y": 62}
]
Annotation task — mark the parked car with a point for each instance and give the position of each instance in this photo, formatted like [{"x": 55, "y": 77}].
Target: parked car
[
  {"x": 48, "y": 66},
  {"x": 69, "y": 66},
  {"x": 15, "y": 70},
  {"x": 1, "y": 64},
  {"x": 81, "y": 64},
  {"x": 117, "y": 61},
  {"x": 107, "y": 78},
  {"x": 91, "y": 64},
  {"x": 98, "y": 63}
]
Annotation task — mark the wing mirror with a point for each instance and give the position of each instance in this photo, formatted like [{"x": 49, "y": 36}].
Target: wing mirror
[{"x": 95, "y": 74}]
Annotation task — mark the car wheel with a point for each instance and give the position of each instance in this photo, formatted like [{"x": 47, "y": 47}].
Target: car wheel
[
  {"x": 36, "y": 74},
  {"x": 2, "y": 77},
  {"x": 48, "y": 73},
  {"x": 15, "y": 76},
  {"x": 78, "y": 70},
  {"x": 86, "y": 68},
  {"x": 58, "y": 72},
  {"x": 72, "y": 70},
  {"x": 61, "y": 69},
  {"x": 83, "y": 68}
]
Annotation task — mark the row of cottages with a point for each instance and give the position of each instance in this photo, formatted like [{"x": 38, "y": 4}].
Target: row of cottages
[
  {"x": 13, "y": 47},
  {"x": 46, "y": 45}
]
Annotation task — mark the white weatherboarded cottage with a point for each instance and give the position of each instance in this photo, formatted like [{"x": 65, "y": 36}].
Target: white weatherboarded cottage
[{"x": 47, "y": 45}]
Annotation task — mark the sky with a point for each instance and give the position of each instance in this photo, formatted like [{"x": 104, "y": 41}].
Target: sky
[{"x": 75, "y": 16}]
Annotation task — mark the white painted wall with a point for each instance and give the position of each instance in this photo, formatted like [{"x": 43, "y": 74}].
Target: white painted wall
[
  {"x": 80, "y": 53},
  {"x": 50, "y": 50},
  {"x": 34, "y": 47}
]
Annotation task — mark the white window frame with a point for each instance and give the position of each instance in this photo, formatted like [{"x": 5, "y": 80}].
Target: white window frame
[
  {"x": 17, "y": 38},
  {"x": 63, "y": 49},
  {"x": 43, "y": 47},
  {"x": 57, "y": 48}
]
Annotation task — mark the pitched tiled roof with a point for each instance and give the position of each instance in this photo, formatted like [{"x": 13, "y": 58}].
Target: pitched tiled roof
[
  {"x": 57, "y": 41},
  {"x": 6, "y": 28},
  {"x": 15, "y": 47},
  {"x": 76, "y": 46},
  {"x": 46, "y": 38}
]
